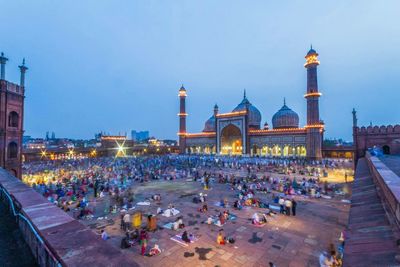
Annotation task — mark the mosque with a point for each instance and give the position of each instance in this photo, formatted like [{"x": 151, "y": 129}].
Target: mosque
[{"x": 240, "y": 132}]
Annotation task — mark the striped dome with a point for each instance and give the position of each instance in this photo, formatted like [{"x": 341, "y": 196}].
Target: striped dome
[{"x": 285, "y": 118}]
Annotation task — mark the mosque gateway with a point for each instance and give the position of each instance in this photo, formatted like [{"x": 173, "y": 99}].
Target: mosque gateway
[{"x": 240, "y": 132}]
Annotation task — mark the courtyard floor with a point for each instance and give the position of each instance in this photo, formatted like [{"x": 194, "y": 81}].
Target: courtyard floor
[{"x": 284, "y": 240}]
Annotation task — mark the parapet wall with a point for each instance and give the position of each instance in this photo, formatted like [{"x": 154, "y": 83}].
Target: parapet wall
[
  {"x": 389, "y": 186},
  {"x": 379, "y": 129},
  {"x": 54, "y": 237}
]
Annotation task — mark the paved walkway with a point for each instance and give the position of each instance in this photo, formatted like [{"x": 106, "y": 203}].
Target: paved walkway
[
  {"x": 285, "y": 241},
  {"x": 370, "y": 240}
]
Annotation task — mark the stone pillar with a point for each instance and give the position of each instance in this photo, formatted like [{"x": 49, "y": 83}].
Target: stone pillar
[{"x": 3, "y": 61}]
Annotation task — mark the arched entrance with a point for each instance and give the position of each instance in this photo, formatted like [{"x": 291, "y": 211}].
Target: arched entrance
[
  {"x": 231, "y": 140},
  {"x": 386, "y": 150},
  {"x": 12, "y": 150}
]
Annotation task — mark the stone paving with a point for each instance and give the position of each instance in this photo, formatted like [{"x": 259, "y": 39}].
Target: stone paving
[
  {"x": 370, "y": 239},
  {"x": 285, "y": 241}
]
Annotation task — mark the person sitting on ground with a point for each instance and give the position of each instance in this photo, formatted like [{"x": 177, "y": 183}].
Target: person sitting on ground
[
  {"x": 125, "y": 242},
  {"x": 226, "y": 214},
  {"x": 220, "y": 238},
  {"x": 135, "y": 235},
  {"x": 104, "y": 235},
  {"x": 204, "y": 208},
  {"x": 237, "y": 205},
  {"x": 185, "y": 237},
  {"x": 209, "y": 220},
  {"x": 178, "y": 224},
  {"x": 157, "y": 197},
  {"x": 154, "y": 250},
  {"x": 202, "y": 197},
  {"x": 256, "y": 220},
  {"x": 159, "y": 210}
]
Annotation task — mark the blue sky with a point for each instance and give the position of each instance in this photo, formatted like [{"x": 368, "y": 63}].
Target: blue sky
[{"x": 117, "y": 65}]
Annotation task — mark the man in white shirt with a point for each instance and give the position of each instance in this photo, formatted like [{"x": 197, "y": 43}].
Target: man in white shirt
[
  {"x": 127, "y": 221},
  {"x": 288, "y": 206}
]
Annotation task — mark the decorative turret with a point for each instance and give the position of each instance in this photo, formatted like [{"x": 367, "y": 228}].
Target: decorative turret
[
  {"x": 354, "y": 112},
  {"x": 3, "y": 61},
  {"x": 23, "y": 69},
  {"x": 215, "y": 110}
]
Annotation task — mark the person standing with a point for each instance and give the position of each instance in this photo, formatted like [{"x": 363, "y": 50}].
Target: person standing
[
  {"x": 143, "y": 242},
  {"x": 288, "y": 206},
  {"x": 294, "y": 205},
  {"x": 127, "y": 220},
  {"x": 281, "y": 205}
]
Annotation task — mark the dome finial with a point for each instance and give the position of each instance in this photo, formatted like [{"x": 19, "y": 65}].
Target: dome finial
[{"x": 311, "y": 47}]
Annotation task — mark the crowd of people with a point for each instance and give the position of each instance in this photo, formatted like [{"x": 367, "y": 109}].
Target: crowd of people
[{"x": 73, "y": 184}]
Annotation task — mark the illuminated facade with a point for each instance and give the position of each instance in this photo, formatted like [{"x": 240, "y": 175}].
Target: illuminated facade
[
  {"x": 239, "y": 132},
  {"x": 11, "y": 119}
]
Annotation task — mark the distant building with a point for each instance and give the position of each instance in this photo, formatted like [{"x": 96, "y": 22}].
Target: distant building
[
  {"x": 140, "y": 136},
  {"x": 11, "y": 122},
  {"x": 38, "y": 143}
]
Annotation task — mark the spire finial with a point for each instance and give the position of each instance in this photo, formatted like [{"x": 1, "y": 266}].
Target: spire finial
[
  {"x": 23, "y": 62},
  {"x": 244, "y": 93},
  {"x": 284, "y": 101}
]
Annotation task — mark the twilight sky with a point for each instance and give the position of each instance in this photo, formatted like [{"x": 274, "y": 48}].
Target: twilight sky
[{"x": 117, "y": 65}]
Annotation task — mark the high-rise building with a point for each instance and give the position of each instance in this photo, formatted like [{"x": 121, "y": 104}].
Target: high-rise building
[
  {"x": 140, "y": 136},
  {"x": 11, "y": 119}
]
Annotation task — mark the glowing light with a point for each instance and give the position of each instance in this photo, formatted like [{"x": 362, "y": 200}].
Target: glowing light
[
  {"x": 192, "y": 135},
  {"x": 315, "y": 126},
  {"x": 312, "y": 94},
  {"x": 277, "y": 131},
  {"x": 121, "y": 149},
  {"x": 182, "y": 93},
  {"x": 182, "y": 134},
  {"x": 311, "y": 59},
  {"x": 113, "y": 138},
  {"x": 232, "y": 114},
  {"x": 93, "y": 153},
  {"x": 43, "y": 154},
  {"x": 71, "y": 152},
  {"x": 182, "y": 114}
]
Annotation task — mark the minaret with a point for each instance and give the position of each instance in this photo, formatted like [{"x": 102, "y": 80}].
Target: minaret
[
  {"x": 3, "y": 61},
  {"x": 182, "y": 120},
  {"x": 355, "y": 156},
  {"x": 315, "y": 126},
  {"x": 23, "y": 69}
]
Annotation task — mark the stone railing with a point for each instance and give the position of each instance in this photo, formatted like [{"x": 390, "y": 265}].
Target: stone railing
[
  {"x": 389, "y": 185},
  {"x": 54, "y": 237}
]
